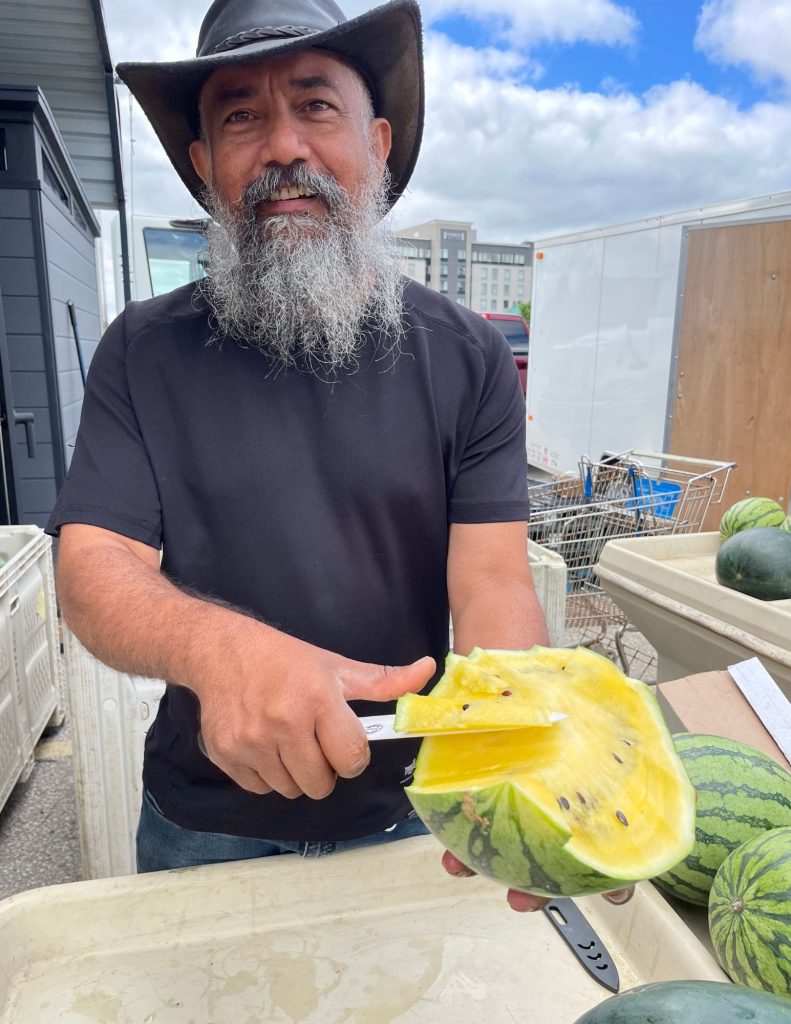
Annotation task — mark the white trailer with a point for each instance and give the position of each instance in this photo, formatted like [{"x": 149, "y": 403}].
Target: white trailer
[{"x": 667, "y": 334}]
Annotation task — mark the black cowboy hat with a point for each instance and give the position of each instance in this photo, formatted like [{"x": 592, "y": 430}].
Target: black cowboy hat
[{"x": 384, "y": 45}]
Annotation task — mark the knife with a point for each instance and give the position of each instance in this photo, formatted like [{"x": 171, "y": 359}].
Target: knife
[
  {"x": 380, "y": 727},
  {"x": 583, "y": 941}
]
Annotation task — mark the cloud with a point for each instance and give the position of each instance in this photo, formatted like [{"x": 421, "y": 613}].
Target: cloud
[
  {"x": 522, "y": 161},
  {"x": 753, "y": 33}
]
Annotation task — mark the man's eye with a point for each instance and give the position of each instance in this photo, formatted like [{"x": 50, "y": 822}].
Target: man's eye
[
  {"x": 239, "y": 116},
  {"x": 318, "y": 105}
]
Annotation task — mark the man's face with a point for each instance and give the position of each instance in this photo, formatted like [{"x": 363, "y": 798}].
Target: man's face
[{"x": 306, "y": 108}]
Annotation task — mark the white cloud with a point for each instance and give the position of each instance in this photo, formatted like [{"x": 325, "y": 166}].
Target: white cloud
[
  {"x": 521, "y": 161},
  {"x": 755, "y": 33}
]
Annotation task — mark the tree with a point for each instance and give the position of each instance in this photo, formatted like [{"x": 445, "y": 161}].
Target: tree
[{"x": 525, "y": 308}]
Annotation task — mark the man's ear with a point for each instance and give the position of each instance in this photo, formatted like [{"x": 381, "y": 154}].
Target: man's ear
[
  {"x": 201, "y": 160},
  {"x": 381, "y": 135}
]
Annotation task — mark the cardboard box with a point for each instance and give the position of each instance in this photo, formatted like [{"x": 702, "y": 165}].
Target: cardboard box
[{"x": 712, "y": 702}]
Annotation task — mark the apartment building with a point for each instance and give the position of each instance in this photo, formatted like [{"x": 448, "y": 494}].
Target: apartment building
[{"x": 485, "y": 276}]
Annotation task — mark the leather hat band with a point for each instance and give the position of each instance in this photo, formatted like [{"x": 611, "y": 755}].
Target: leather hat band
[{"x": 255, "y": 34}]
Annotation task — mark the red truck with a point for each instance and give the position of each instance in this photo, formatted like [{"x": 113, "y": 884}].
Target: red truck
[{"x": 517, "y": 334}]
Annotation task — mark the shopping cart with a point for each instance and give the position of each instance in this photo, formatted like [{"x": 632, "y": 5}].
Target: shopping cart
[{"x": 624, "y": 494}]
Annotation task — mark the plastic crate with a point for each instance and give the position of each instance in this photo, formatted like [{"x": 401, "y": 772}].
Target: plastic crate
[
  {"x": 111, "y": 714},
  {"x": 31, "y": 668}
]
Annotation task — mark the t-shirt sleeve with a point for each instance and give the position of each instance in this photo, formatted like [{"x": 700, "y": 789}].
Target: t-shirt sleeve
[
  {"x": 491, "y": 482},
  {"x": 110, "y": 482}
]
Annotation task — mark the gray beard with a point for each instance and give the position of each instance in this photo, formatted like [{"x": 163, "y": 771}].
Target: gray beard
[{"x": 306, "y": 291}]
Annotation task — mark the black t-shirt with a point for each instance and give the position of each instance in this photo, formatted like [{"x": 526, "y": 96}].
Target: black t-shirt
[{"x": 323, "y": 508}]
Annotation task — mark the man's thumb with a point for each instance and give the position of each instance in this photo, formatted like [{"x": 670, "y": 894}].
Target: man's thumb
[{"x": 387, "y": 682}]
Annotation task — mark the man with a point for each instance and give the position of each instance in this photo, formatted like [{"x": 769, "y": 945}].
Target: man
[{"x": 326, "y": 459}]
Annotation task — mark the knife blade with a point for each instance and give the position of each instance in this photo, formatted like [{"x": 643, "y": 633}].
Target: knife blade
[
  {"x": 380, "y": 727},
  {"x": 576, "y": 931}
]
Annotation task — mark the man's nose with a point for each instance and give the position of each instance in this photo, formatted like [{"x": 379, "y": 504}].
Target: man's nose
[{"x": 284, "y": 142}]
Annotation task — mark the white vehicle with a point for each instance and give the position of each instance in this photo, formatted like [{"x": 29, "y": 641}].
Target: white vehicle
[{"x": 669, "y": 334}]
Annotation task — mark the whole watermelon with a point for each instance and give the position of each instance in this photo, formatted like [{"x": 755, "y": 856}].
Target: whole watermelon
[
  {"x": 756, "y": 562},
  {"x": 741, "y": 792},
  {"x": 750, "y": 913},
  {"x": 751, "y": 512},
  {"x": 690, "y": 1002}
]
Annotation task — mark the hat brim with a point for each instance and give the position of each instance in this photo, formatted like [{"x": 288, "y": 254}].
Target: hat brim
[{"x": 385, "y": 44}]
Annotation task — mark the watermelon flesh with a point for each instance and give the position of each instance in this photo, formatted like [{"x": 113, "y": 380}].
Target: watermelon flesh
[
  {"x": 750, "y": 912},
  {"x": 595, "y": 802},
  {"x": 741, "y": 792}
]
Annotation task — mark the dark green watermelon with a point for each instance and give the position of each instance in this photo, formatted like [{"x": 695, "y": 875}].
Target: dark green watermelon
[
  {"x": 690, "y": 1002},
  {"x": 757, "y": 562}
]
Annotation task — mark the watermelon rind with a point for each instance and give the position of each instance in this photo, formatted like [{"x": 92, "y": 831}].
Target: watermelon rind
[
  {"x": 749, "y": 513},
  {"x": 786, "y": 524},
  {"x": 690, "y": 1002},
  {"x": 741, "y": 792},
  {"x": 757, "y": 563},
  {"x": 750, "y": 913}
]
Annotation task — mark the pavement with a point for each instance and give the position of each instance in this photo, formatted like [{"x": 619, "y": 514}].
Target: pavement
[{"x": 39, "y": 836}]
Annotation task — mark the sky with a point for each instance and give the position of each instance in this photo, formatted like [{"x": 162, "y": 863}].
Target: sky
[{"x": 547, "y": 116}]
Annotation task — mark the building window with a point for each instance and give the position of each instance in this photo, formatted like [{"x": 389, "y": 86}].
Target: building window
[
  {"x": 443, "y": 254},
  {"x": 484, "y": 273},
  {"x": 461, "y": 254},
  {"x": 505, "y": 303},
  {"x": 494, "y": 289},
  {"x": 444, "y": 270},
  {"x": 460, "y": 302},
  {"x": 484, "y": 303},
  {"x": 520, "y": 293},
  {"x": 521, "y": 275},
  {"x": 461, "y": 271},
  {"x": 443, "y": 286},
  {"x": 484, "y": 286},
  {"x": 508, "y": 275},
  {"x": 494, "y": 273},
  {"x": 506, "y": 290},
  {"x": 460, "y": 289}
]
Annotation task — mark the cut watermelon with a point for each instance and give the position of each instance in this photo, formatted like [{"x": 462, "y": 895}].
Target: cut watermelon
[{"x": 595, "y": 802}]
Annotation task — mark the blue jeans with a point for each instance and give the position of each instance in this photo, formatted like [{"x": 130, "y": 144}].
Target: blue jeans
[{"x": 163, "y": 844}]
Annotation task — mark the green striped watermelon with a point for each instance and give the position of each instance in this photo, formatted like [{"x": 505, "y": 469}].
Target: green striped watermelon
[
  {"x": 786, "y": 524},
  {"x": 690, "y": 1002},
  {"x": 740, "y": 792},
  {"x": 750, "y": 912},
  {"x": 750, "y": 512}
]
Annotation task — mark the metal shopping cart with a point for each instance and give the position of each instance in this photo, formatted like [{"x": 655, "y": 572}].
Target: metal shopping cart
[{"x": 623, "y": 494}]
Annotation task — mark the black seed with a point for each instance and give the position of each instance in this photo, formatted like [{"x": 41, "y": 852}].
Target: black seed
[
  {"x": 507, "y": 693},
  {"x": 617, "y": 759},
  {"x": 621, "y": 817},
  {"x": 464, "y": 707},
  {"x": 564, "y": 803},
  {"x": 628, "y": 744},
  {"x": 581, "y": 798}
]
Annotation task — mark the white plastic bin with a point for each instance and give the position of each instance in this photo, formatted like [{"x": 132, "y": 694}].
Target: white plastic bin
[
  {"x": 668, "y": 588},
  {"x": 549, "y": 576},
  {"x": 111, "y": 714},
  {"x": 31, "y": 669}
]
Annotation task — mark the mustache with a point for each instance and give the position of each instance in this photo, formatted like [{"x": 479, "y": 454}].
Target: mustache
[{"x": 296, "y": 176}]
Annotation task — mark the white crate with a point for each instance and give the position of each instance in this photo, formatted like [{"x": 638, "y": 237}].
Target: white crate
[
  {"x": 549, "y": 573},
  {"x": 31, "y": 669},
  {"x": 111, "y": 714}
]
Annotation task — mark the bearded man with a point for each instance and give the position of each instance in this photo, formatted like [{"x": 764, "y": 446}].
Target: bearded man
[{"x": 286, "y": 476}]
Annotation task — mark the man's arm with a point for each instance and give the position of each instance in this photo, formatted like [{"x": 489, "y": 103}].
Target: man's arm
[
  {"x": 493, "y": 602},
  {"x": 274, "y": 712}
]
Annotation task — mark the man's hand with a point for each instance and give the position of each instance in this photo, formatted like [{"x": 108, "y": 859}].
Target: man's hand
[
  {"x": 523, "y": 902},
  {"x": 276, "y": 717}
]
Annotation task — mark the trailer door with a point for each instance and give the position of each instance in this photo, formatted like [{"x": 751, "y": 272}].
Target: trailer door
[{"x": 733, "y": 371}]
